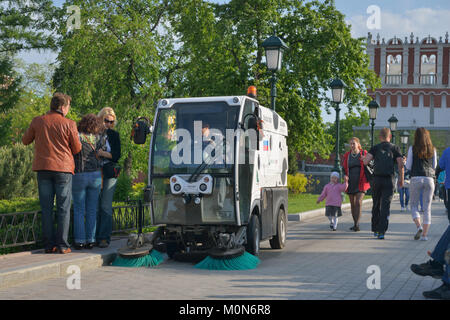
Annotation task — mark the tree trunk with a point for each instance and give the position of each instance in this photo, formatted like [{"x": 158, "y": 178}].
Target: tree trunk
[{"x": 128, "y": 164}]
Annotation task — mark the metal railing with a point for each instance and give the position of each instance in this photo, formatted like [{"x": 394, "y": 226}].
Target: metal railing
[
  {"x": 428, "y": 79},
  {"x": 394, "y": 79},
  {"x": 25, "y": 228}
]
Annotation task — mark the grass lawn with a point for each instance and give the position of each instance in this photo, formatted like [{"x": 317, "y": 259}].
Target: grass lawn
[{"x": 305, "y": 202}]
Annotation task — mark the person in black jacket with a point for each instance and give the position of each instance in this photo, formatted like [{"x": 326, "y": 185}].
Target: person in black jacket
[
  {"x": 110, "y": 154},
  {"x": 384, "y": 154}
]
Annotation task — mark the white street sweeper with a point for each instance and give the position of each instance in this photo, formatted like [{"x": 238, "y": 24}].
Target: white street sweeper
[{"x": 217, "y": 178}]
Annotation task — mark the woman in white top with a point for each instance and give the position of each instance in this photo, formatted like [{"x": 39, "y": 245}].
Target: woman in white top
[{"x": 421, "y": 162}]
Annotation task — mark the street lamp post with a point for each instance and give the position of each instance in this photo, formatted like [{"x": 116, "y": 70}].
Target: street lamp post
[
  {"x": 393, "y": 125},
  {"x": 337, "y": 93},
  {"x": 274, "y": 48},
  {"x": 404, "y": 136},
  {"x": 373, "y": 108}
]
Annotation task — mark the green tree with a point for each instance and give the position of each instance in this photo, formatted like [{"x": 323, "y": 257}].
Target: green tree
[
  {"x": 24, "y": 25},
  {"x": 120, "y": 57},
  {"x": 221, "y": 46},
  {"x": 33, "y": 99},
  {"x": 128, "y": 54},
  {"x": 346, "y": 132},
  {"x": 9, "y": 84},
  {"x": 27, "y": 24}
]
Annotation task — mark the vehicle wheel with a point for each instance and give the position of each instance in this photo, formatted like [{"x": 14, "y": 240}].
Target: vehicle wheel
[
  {"x": 253, "y": 236},
  {"x": 171, "y": 249},
  {"x": 279, "y": 240}
]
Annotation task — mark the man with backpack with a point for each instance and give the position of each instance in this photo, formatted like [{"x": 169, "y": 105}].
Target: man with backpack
[{"x": 385, "y": 155}]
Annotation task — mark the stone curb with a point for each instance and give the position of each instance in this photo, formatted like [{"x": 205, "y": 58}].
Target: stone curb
[
  {"x": 44, "y": 270},
  {"x": 318, "y": 212}
]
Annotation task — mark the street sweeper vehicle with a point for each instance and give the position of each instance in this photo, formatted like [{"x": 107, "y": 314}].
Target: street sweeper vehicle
[{"x": 217, "y": 178}]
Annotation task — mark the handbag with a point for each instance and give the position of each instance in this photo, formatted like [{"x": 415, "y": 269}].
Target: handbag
[
  {"x": 406, "y": 183},
  {"x": 368, "y": 171},
  {"x": 111, "y": 170}
]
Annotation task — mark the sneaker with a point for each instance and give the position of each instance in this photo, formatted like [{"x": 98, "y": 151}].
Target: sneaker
[
  {"x": 381, "y": 236},
  {"x": 103, "y": 244},
  {"x": 334, "y": 229},
  {"x": 331, "y": 226},
  {"x": 90, "y": 245},
  {"x": 423, "y": 238},
  {"x": 51, "y": 250},
  {"x": 402, "y": 209},
  {"x": 418, "y": 234},
  {"x": 64, "y": 250},
  {"x": 429, "y": 268},
  {"x": 442, "y": 293},
  {"x": 78, "y": 246},
  {"x": 375, "y": 234}
]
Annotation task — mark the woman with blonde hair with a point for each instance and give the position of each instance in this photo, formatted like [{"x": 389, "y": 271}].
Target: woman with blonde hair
[
  {"x": 358, "y": 183},
  {"x": 110, "y": 154},
  {"x": 421, "y": 162}
]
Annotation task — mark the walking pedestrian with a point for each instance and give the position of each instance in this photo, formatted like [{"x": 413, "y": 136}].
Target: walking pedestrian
[
  {"x": 437, "y": 267},
  {"x": 441, "y": 185},
  {"x": 404, "y": 191},
  {"x": 444, "y": 164},
  {"x": 110, "y": 155},
  {"x": 332, "y": 193},
  {"x": 421, "y": 162},
  {"x": 86, "y": 183},
  {"x": 358, "y": 184},
  {"x": 56, "y": 141},
  {"x": 384, "y": 154}
]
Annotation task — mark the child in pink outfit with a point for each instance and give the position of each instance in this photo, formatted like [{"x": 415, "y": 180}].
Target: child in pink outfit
[{"x": 332, "y": 192}]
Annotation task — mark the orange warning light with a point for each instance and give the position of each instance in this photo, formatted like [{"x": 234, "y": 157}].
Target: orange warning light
[{"x": 251, "y": 91}]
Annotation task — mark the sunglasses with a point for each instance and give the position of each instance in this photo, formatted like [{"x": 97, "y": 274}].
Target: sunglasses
[{"x": 109, "y": 121}]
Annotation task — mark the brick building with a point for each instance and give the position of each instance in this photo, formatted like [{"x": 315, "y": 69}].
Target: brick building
[{"x": 415, "y": 76}]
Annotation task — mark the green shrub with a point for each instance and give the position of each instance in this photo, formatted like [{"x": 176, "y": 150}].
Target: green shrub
[
  {"x": 123, "y": 188},
  {"x": 19, "y": 205},
  {"x": 297, "y": 183},
  {"x": 16, "y": 177}
]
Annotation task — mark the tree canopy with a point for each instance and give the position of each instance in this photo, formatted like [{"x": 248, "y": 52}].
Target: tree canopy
[{"x": 128, "y": 54}]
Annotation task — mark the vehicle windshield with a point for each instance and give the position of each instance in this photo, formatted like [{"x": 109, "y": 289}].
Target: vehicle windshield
[{"x": 188, "y": 134}]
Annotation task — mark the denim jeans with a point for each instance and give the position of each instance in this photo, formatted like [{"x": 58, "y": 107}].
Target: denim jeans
[
  {"x": 404, "y": 197},
  {"x": 447, "y": 202},
  {"x": 105, "y": 211},
  {"x": 421, "y": 190},
  {"x": 51, "y": 184},
  {"x": 85, "y": 190},
  {"x": 439, "y": 253}
]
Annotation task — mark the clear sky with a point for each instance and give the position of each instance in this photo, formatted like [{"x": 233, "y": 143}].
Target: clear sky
[{"x": 397, "y": 17}]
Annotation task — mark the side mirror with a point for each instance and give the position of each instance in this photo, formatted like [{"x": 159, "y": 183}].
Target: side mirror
[
  {"x": 141, "y": 129},
  {"x": 252, "y": 123}
]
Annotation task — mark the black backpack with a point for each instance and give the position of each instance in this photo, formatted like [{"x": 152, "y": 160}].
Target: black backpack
[{"x": 384, "y": 160}]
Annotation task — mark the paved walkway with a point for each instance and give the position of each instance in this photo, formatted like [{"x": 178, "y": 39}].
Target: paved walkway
[{"x": 316, "y": 264}]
